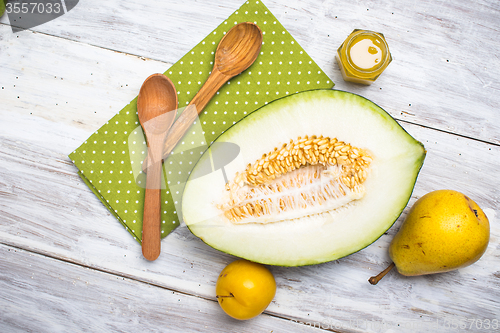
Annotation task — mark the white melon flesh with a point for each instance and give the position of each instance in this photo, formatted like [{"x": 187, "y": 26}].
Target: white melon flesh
[{"x": 315, "y": 236}]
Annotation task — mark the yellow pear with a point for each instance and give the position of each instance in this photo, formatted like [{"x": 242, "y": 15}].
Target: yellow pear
[
  {"x": 244, "y": 289},
  {"x": 443, "y": 231}
]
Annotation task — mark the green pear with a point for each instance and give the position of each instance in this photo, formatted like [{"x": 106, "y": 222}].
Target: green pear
[{"x": 443, "y": 231}]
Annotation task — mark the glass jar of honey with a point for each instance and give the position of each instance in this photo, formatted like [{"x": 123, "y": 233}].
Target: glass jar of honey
[{"x": 363, "y": 56}]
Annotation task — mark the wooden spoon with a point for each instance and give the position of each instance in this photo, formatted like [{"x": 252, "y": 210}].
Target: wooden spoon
[
  {"x": 156, "y": 108},
  {"x": 236, "y": 51}
]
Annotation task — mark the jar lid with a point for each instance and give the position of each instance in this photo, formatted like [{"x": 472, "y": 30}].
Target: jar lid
[{"x": 367, "y": 51}]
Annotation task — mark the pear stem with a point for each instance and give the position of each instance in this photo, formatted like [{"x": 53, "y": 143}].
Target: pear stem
[
  {"x": 375, "y": 279},
  {"x": 223, "y": 296}
]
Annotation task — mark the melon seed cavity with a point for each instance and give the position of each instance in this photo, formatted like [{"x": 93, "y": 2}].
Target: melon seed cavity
[{"x": 307, "y": 176}]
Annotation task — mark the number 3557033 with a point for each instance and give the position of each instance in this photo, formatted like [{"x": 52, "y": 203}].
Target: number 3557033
[{"x": 33, "y": 8}]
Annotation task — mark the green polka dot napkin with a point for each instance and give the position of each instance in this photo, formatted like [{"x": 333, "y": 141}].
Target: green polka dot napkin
[{"x": 110, "y": 160}]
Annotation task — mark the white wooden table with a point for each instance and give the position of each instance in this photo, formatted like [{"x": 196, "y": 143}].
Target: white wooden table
[{"x": 67, "y": 265}]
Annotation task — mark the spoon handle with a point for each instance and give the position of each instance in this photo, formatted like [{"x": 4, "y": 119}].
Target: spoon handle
[
  {"x": 191, "y": 112},
  {"x": 151, "y": 240},
  {"x": 194, "y": 108}
]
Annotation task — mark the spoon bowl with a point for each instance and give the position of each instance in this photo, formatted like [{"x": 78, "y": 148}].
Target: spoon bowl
[
  {"x": 236, "y": 51},
  {"x": 157, "y": 97},
  {"x": 156, "y": 108}
]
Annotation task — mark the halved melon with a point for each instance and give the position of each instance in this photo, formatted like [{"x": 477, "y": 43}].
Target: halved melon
[{"x": 320, "y": 175}]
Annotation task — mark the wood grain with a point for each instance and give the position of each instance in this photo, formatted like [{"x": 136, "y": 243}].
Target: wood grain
[
  {"x": 65, "y": 220},
  {"x": 445, "y": 68},
  {"x": 236, "y": 51},
  {"x": 156, "y": 109},
  {"x": 40, "y": 294},
  {"x": 60, "y": 84}
]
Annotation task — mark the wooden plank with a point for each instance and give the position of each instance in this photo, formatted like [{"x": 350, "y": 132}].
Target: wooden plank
[
  {"x": 46, "y": 209},
  {"x": 77, "y": 85},
  {"x": 40, "y": 294},
  {"x": 444, "y": 65},
  {"x": 444, "y": 73}
]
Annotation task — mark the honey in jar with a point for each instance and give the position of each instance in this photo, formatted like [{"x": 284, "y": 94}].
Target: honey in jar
[{"x": 363, "y": 56}]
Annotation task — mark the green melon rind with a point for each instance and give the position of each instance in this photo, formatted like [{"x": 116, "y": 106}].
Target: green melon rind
[{"x": 217, "y": 235}]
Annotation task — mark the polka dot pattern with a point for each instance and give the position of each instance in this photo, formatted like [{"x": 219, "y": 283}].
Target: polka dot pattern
[{"x": 110, "y": 160}]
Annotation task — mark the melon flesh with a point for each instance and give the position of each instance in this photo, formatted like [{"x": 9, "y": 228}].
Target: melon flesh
[{"x": 307, "y": 236}]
